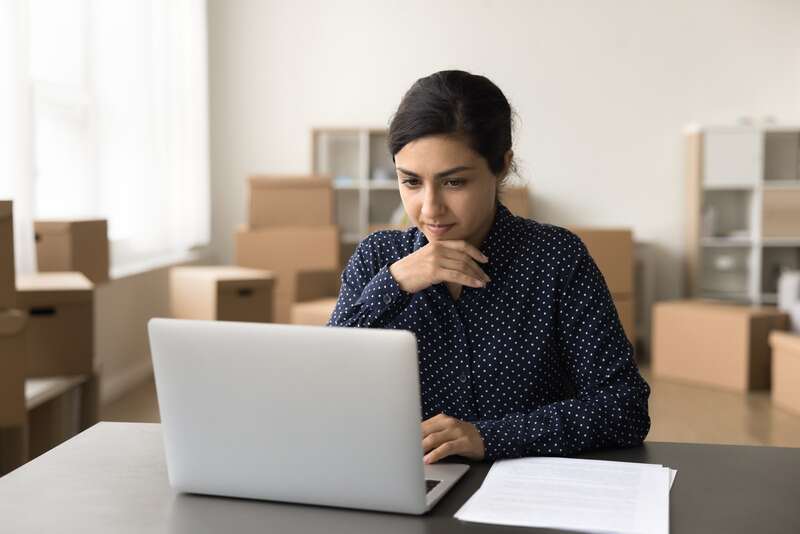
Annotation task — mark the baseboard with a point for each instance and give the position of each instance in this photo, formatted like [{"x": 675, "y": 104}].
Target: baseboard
[{"x": 112, "y": 387}]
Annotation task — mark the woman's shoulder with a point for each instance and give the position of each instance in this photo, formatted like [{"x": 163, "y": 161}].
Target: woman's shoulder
[
  {"x": 549, "y": 238},
  {"x": 388, "y": 244}
]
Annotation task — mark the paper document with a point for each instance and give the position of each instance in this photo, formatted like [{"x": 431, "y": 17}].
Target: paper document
[{"x": 567, "y": 493}]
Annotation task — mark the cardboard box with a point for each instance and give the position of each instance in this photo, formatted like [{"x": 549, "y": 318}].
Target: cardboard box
[
  {"x": 517, "y": 200},
  {"x": 288, "y": 251},
  {"x": 12, "y": 367},
  {"x": 781, "y": 213},
  {"x": 79, "y": 245},
  {"x": 625, "y": 310},
  {"x": 60, "y": 333},
  {"x": 714, "y": 344},
  {"x": 313, "y": 312},
  {"x": 290, "y": 201},
  {"x": 221, "y": 293},
  {"x": 786, "y": 370},
  {"x": 315, "y": 285},
  {"x": 8, "y": 294},
  {"x": 612, "y": 251},
  {"x": 59, "y": 408}
]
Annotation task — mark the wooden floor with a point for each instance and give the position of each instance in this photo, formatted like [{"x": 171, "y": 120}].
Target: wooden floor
[{"x": 679, "y": 412}]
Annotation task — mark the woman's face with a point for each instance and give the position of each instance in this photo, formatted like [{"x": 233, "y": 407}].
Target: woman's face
[{"x": 447, "y": 189}]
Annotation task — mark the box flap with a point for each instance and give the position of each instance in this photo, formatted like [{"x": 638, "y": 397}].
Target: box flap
[
  {"x": 289, "y": 182},
  {"x": 5, "y": 208},
  {"x": 223, "y": 273},
  {"x": 724, "y": 307},
  {"x": 58, "y": 226},
  {"x": 47, "y": 289},
  {"x": 12, "y": 322}
]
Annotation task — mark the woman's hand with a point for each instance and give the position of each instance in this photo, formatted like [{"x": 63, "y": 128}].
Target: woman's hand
[
  {"x": 443, "y": 436},
  {"x": 440, "y": 261}
]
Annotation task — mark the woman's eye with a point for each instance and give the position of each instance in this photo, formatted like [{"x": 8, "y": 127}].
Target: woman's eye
[
  {"x": 411, "y": 182},
  {"x": 454, "y": 183}
]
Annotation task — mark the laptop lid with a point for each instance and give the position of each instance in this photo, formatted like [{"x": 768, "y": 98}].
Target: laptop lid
[{"x": 304, "y": 414}]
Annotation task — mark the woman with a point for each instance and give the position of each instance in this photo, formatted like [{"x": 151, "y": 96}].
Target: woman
[{"x": 521, "y": 351}]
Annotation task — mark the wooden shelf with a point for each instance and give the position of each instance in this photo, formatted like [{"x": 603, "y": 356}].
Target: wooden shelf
[{"x": 734, "y": 179}]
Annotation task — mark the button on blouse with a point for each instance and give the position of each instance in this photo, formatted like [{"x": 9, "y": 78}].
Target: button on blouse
[{"x": 537, "y": 360}]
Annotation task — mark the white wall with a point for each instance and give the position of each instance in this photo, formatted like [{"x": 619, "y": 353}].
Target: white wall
[{"x": 603, "y": 90}]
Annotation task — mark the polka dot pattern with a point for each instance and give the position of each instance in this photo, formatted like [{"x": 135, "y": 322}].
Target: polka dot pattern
[{"x": 537, "y": 360}]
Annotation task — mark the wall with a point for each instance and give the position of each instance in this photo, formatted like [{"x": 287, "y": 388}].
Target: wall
[
  {"x": 603, "y": 91},
  {"x": 122, "y": 308}
]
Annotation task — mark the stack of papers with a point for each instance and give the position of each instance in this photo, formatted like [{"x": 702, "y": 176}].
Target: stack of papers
[{"x": 566, "y": 493}]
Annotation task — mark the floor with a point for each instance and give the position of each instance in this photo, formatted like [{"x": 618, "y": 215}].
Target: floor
[{"x": 679, "y": 412}]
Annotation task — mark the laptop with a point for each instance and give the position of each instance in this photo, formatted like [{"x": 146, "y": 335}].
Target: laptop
[{"x": 300, "y": 414}]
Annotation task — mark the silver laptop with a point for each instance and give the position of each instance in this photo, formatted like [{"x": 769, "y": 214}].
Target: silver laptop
[{"x": 300, "y": 414}]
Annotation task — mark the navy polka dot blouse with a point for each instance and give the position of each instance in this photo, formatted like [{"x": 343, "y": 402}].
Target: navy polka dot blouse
[{"x": 537, "y": 360}]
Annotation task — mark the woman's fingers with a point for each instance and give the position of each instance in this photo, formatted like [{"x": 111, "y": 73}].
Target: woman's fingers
[
  {"x": 436, "y": 423},
  {"x": 464, "y": 266},
  {"x": 462, "y": 259},
  {"x": 457, "y": 277},
  {"x": 465, "y": 248},
  {"x": 448, "y": 448},
  {"x": 435, "y": 439}
]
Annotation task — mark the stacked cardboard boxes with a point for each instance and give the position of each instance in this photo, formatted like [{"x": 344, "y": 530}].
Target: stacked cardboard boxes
[
  {"x": 290, "y": 232},
  {"x": 714, "y": 344},
  {"x": 312, "y": 307},
  {"x": 60, "y": 334},
  {"x": 221, "y": 293},
  {"x": 13, "y": 322},
  {"x": 612, "y": 251}
]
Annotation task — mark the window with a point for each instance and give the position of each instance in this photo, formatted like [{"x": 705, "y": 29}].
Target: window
[{"x": 117, "y": 121}]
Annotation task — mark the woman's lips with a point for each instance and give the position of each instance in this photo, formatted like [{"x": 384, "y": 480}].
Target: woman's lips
[{"x": 439, "y": 229}]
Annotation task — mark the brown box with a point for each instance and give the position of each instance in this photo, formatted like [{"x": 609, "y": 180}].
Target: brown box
[
  {"x": 786, "y": 370},
  {"x": 625, "y": 310},
  {"x": 12, "y": 367},
  {"x": 781, "y": 213},
  {"x": 59, "y": 407},
  {"x": 288, "y": 251},
  {"x": 60, "y": 333},
  {"x": 222, "y": 293},
  {"x": 517, "y": 201},
  {"x": 313, "y": 312},
  {"x": 290, "y": 201},
  {"x": 714, "y": 344},
  {"x": 79, "y": 245},
  {"x": 612, "y": 251},
  {"x": 7, "y": 292}
]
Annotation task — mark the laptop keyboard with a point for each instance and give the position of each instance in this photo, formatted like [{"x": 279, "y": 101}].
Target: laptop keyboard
[{"x": 430, "y": 484}]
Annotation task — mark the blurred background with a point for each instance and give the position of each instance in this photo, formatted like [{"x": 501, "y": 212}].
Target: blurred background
[{"x": 188, "y": 156}]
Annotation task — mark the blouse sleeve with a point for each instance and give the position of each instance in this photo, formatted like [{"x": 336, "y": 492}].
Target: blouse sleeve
[
  {"x": 609, "y": 408},
  {"x": 369, "y": 295}
]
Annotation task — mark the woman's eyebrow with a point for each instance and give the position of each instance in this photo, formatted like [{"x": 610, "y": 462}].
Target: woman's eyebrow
[{"x": 442, "y": 174}]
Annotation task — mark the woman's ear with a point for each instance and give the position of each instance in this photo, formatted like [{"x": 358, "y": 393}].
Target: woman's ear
[{"x": 507, "y": 159}]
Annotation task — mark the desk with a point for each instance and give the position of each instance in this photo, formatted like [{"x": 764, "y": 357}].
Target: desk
[{"x": 112, "y": 478}]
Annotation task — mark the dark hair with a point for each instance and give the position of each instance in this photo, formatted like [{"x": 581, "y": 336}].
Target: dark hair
[{"x": 454, "y": 102}]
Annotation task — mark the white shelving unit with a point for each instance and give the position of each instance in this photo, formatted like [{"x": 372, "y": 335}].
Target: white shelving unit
[
  {"x": 744, "y": 211},
  {"x": 363, "y": 175}
]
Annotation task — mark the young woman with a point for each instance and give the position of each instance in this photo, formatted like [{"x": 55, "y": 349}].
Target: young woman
[{"x": 521, "y": 351}]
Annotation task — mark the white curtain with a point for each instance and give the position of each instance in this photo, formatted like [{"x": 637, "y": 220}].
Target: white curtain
[
  {"x": 15, "y": 129},
  {"x": 119, "y": 121}
]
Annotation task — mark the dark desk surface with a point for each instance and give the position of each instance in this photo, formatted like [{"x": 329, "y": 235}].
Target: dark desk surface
[{"x": 112, "y": 478}]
